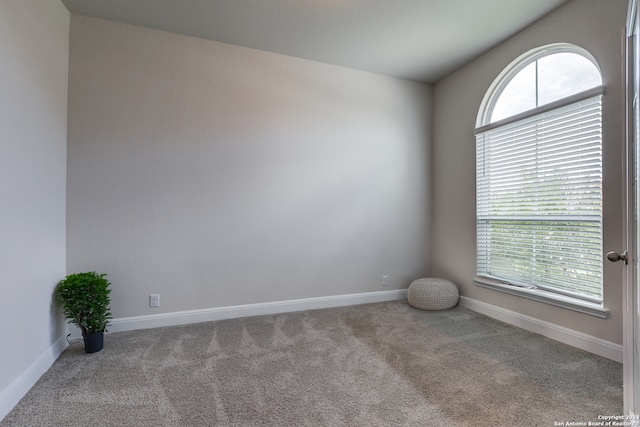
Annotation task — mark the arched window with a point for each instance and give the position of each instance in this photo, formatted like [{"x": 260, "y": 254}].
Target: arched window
[{"x": 539, "y": 179}]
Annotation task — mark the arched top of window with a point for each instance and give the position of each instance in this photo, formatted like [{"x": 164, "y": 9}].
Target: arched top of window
[{"x": 540, "y": 77}]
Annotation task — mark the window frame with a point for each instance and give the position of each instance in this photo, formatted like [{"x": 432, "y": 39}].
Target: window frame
[
  {"x": 504, "y": 78},
  {"x": 484, "y": 124}
]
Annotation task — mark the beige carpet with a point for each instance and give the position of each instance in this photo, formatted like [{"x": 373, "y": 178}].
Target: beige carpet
[{"x": 383, "y": 364}]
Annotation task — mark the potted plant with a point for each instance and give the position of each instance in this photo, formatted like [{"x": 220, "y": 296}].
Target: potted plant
[{"x": 85, "y": 301}]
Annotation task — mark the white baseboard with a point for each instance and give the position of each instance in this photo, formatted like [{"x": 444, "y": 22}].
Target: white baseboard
[
  {"x": 568, "y": 336},
  {"x": 231, "y": 312},
  {"x": 11, "y": 395}
]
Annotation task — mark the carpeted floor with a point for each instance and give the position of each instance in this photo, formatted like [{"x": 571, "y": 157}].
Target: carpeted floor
[{"x": 383, "y": 364}]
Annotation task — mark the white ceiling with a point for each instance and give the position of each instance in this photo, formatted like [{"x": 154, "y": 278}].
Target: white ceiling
[{"x": 420, "y": 40}]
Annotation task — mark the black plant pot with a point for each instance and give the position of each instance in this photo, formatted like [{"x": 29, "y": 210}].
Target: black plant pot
[{"x": 93, "y": 342}]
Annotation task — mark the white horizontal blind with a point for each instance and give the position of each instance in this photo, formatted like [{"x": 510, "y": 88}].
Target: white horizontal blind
[{"x": 539, "y": 201}]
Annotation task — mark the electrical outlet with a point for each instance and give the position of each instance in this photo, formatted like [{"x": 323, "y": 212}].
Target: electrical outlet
[
  {"x": 385, "y": 280},
  {"x": 154, "y": 300}
]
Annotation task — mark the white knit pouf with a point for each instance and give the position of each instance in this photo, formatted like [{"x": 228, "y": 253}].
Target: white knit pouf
[{"x": 433, "y": 294}]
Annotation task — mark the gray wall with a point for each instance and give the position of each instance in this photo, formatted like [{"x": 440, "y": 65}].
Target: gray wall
[
  {"x": 34, "y": 41},
  {"x": 217, "y": 175},
  {"x": 592, "y": 24}
]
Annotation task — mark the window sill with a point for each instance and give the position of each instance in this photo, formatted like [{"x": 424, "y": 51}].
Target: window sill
[{"x": 546, "y": 297}]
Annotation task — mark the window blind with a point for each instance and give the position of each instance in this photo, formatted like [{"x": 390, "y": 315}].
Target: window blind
[{"x": 539, "y": 201}]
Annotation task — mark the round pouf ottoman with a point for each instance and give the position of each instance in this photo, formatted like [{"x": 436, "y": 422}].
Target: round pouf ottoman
[{"x": 433, "y": 294}]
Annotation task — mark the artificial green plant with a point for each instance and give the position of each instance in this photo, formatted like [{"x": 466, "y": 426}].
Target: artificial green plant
[{"x": 85, "y": 300}]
